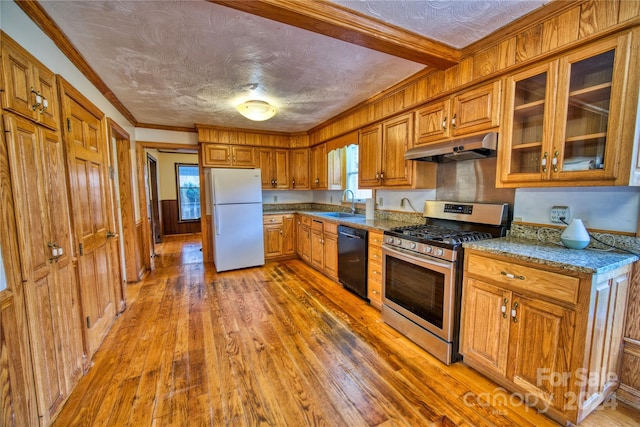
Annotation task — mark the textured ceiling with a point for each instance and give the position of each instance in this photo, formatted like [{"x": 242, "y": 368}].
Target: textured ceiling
[{"x": 177, "y": 63}]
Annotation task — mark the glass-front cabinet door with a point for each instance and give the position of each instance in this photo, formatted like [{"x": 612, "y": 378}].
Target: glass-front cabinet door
[
  {"x": 563, "y": 120},
  {"x": 528, "y": 124},
  {"x": 584, "y": 144}
]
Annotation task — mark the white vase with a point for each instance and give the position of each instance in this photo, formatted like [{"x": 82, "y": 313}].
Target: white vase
[{"x": 575, "y": 236}]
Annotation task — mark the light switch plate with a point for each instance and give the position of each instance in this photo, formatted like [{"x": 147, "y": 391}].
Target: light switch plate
[{"x": 558, "y": 212}]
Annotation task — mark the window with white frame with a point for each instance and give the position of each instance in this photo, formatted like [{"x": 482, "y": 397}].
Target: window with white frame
[
  {"x": 360, "y": 195},
  {"x": 188, "y": 186}
]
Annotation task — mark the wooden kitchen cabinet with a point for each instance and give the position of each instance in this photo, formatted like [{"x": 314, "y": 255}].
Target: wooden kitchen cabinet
[
  {"x": 303, "y": 234},
  {"x": 563, "y": 120},
  {"x": 551, "y": 334},
  {"x": 324, "y": 247},
  {"x": 468, "y": 112},
  {"x": 38, "y": 179},
  {"x": 29, "y": 87},
  {"x": 374, "y": 269},
  {"x": 299, "y": 169},
  {"x": 337, "y": 169},
  {"x": 274, "y": 163},
  {"x": 381, "y": 157},
  {"x": 226, "y": 155},
  {"x": 318, "y": 168},
  {"x": 279, "y": 236}
]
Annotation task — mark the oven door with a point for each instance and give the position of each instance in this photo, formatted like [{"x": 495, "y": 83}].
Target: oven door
[{"x": 421, "y": 289}]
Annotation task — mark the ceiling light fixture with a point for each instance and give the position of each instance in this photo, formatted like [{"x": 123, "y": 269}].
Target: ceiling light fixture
[{"x": 257, "y": 110}]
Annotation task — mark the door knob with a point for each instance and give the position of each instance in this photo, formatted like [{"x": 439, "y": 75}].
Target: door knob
[{"x": 111, "y": 234}]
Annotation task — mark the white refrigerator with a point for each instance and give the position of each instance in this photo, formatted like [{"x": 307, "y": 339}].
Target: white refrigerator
[{"x": 235, "y": 204}]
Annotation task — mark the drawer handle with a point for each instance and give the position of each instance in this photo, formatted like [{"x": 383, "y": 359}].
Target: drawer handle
[
  {"x": 503, "y": 309},
  {"x": 514, "y": 314},
  {"x": 512, "y": 276},
  {"x": 375, "y": 272},
  {"x": 374, "y": 291}
]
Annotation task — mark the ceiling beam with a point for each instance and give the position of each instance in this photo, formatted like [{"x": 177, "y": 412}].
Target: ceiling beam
[{"x": 335, "y": 21}]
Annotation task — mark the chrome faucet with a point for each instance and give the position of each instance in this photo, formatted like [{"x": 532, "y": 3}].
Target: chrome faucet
[{"x": 353, "y": 200}]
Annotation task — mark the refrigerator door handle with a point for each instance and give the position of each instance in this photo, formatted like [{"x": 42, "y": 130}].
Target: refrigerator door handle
[{"x": 216, "y": 219}]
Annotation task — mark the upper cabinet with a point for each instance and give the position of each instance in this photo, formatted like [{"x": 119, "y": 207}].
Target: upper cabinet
[
  {"x": 29, "y": 88},
  {"x": 299, "y": 159},
  {"x": 471, "y": 111},
  {"x": 564, "y": 120},
  {"x": 337, "y": 160},
  {"x": 274, "y": 163},
  {"x": 319, "y": 170},
  {"x": 226, "y": 155},
  {"x": 381, "y": 157}
]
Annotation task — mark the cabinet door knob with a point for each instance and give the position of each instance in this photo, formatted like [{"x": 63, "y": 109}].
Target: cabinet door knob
[
  {"x": 554, "y": 161},
  {"x": 503, "y": 309},
  {"x": 514, "y": 314},
  {"x": 444, "y": 124},
  {"x": 382, "y": 176},
  {"x": 453, "y": 121},
  {"x": 544, "y": 161}
]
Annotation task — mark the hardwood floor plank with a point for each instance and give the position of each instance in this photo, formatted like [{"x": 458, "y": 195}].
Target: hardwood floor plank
[{"x": 278, "y": 345}]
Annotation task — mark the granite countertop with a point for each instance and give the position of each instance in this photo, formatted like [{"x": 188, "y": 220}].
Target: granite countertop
[
  {"x": 590, "y": 261},
  {"x": 378, "y": 224}
]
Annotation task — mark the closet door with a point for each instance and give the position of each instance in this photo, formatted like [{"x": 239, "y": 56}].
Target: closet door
[{"x": 30, "y": 183}]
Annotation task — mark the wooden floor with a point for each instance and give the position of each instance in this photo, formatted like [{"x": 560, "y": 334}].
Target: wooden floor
[{"x": 279, "y": 345}]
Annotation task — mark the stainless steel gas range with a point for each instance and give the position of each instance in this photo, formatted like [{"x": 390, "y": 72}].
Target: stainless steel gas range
[{"x": 422, "y": 271}]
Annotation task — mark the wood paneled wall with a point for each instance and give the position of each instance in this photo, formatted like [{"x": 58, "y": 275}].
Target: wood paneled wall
[
  {"x": 170, "y": 223},
  {"x": 247, "y": 137}
]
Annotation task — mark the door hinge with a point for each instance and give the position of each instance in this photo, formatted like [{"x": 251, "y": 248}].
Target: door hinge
[
  {"x": 88, "y": 322},
  {"x": 111, "y": 172},
  {"x": 68, "y": 125},
  {"x": 81, "y": 249}
]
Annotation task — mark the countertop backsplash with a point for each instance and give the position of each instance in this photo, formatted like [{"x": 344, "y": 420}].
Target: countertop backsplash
[{"x": 552, "y": 235}]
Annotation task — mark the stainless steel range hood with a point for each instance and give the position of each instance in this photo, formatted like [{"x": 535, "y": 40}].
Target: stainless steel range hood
[{"x": 468, "y": 148}]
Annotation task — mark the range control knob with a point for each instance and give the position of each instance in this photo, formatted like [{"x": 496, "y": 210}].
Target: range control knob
[
  {"x": 428, "y": 249},
  {"x": 439, "y": 252},
  {"x": 412, "y": 245},
  {"x": 398, "y": 241},
  {"x": 389, "y": 239}
]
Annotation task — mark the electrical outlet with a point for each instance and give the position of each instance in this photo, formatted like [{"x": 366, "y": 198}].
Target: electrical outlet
[
  {"x": 558, "y": 212},
  {"x": 330, "y": 199},
  {"x": 275, "y": 199},
  {"x": 379, "y": 201}
]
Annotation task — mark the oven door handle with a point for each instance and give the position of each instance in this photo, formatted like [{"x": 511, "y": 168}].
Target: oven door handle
[{"x": 416, "y": 259}]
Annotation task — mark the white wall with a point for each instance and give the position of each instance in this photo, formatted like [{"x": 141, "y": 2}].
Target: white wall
[
  {"x": 604, "y": 208},
  {"x": 285, "y": 196},
  {"x": 166, "y": 136}
]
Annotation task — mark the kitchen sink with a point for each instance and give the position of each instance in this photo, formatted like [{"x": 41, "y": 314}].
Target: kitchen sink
[{"x": 340, "y": 215}]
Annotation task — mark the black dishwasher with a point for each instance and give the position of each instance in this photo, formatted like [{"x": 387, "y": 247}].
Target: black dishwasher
[{"x": 352, "y": 259}]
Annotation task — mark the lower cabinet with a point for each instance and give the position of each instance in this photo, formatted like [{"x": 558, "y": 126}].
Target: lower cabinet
[
  {"x": 374, "y": 266},
  {"x": 324, "y": 247},
  {"x": 551, "y": 335},
  {"x": 303, "y": 236},
  {"x": 279, "y": 236}
]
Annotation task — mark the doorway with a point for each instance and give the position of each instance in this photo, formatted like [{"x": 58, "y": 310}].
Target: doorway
[{"x": 154, "y": 201}]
